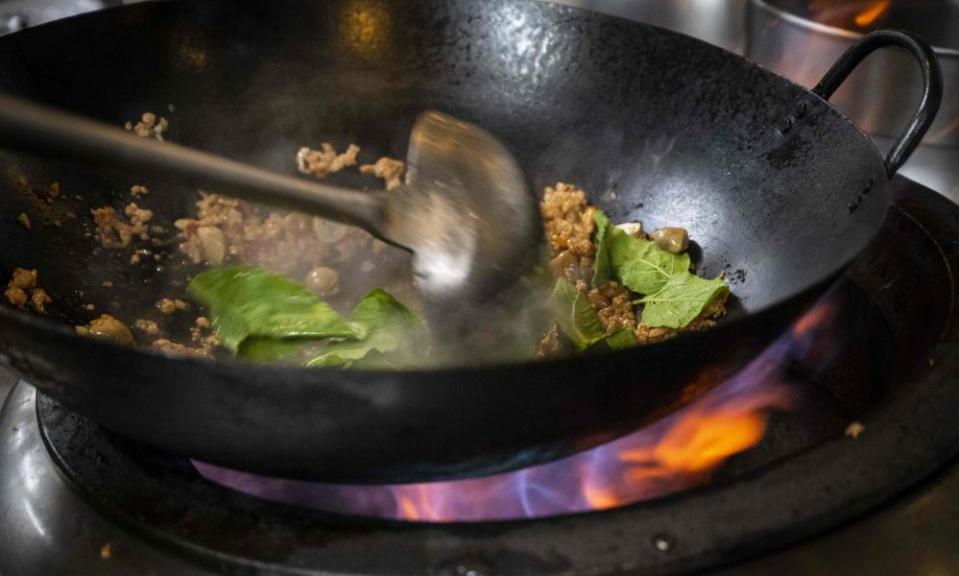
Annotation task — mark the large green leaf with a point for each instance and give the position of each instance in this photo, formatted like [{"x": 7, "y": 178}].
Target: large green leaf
[
  {"x": 602, "y": 268},
  {"x": 681, "y": 300},
  {"x": 640, "y": 265},
  {"x": 575, "y": 316},
  {"x": 246, "y": 302},
  {"x": 392, "y": 330}
]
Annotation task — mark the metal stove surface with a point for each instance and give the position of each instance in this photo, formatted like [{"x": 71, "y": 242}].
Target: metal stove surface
[{"x": 49, "y": 528}]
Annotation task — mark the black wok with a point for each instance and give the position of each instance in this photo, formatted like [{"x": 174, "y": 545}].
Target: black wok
[{"x": 661, "y": 128}]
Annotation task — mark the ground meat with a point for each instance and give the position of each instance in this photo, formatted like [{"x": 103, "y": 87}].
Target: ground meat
[
  {"x": 388, "y": 169},
  {"x": 138, "y": 216},
  {"x": 321, "y": 163},
  {"x": 549, "y": 345},
  {"x": 177, "y": 349},
  {"x": 24, "y": 220},
  {"x": 139, "y": 191},
  {"x": 109, "y": 328},
  {"x": 198, "y": 334},
  {"x": 114, "y": 232},
  {"x": 16, "y": 296},
  {"x": 149, "y": 126},
  {"x": 647, "y": 335},
  {"x": 614, "y": 306},
  {"x": 286, "y": 243},
  {"x": 22, "y": 289},
  {"x": 38, "y": 300},
  {"x": 23, "y": 279},
  {"x": 569, "y": 224},
  {"x": 168, "y": 306},
  {"x": 139, "y": 255},
  {"x": 147, "y": 326},
  {"x": 855, "y": 430}
]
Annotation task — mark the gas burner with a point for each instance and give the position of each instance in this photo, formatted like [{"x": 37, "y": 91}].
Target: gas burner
[{"x": 883, "y": 349}]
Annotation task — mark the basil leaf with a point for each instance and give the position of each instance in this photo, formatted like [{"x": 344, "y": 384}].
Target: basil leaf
[
  {"x": 261, "y": 349},
  {"x": 389, "y": 325},
  {"x": 602, "y": 270},
  {"x": 575, "y": 315},
  {"x": 638, "y": 264},
  {"x": 621, "y": 339},
  {"x": 681, "y": 300},
  {"x": 246, "y": 302}
]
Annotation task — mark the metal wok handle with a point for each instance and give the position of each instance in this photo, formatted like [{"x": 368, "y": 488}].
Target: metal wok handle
[{"x": 931, "y": 92}]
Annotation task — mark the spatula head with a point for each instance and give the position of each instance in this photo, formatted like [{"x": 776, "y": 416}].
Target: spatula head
[{"x": 465, "y": 211}]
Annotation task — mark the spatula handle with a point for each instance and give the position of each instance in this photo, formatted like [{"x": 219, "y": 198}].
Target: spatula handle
[{"x": 37, "y": 129}]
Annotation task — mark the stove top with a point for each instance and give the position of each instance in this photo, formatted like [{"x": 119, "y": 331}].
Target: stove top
[{"x": 75, "y": 499}]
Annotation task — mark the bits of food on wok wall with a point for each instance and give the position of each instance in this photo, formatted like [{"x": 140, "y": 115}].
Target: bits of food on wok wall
[{"x": 610, "y": 286}]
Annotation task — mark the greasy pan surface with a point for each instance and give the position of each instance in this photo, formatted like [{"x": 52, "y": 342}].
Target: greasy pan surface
[{"x": 656, "y": 126}]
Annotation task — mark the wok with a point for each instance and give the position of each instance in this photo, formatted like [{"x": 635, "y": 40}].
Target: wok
[{"x": 771, "y": 181}]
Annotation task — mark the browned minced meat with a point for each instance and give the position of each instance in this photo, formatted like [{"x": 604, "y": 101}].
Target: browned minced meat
[
  {"x": 38, "y": 300},
  {"x": 614, "y": 306},
  {"x": 325, "y": 161},
  {"x": 168, "y": 306},
  {"x": 286, "y": 243},
  {"x": 16, "y": 296},
  {"x": 549, "y": 345},
  {"x": 114, "y": 232},
  {"x": 149, "y": 126},
  {"x": 177, "y": 349},
  {"x": 138, "y": 191},
  {"x": 23, "y": 279},
  {"x": 388, "y": 169},
  {"x": 147, "y": 326},
  {"x": 138, "y": 216},
  {"x": 108, "y": 328},
  {"x": 569, "y": 224},
  {"x": 22, "y": 289},
  {"x": 199, "y": 334}
]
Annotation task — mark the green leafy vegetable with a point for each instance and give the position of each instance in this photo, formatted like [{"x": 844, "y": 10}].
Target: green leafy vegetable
[
  {"x": 575, "y": 316},
  {"x": 577, "y": 319},
  {"x": 602, "y": 270},
  {"x": 260, "y": 349},
  {"x": 622, "y": 339},
  {"x": 640, "y": 265},
  {"x": 390, "y": 326},
  {"x": 247, "y": 302},
  {"x": 681, "y": 300}
]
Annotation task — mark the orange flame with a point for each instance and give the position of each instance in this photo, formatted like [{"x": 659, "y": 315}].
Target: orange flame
[
  {"x": 693, "y": 444},
  {"x": 872, "y": 13}
]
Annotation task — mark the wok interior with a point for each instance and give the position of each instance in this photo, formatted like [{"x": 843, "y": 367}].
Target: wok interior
[{"x": 760, "y": 172}]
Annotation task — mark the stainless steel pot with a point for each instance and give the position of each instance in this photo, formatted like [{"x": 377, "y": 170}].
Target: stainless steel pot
[
  {"x": 718, "y": 22},
  {"x": 788, "y": 37}
]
